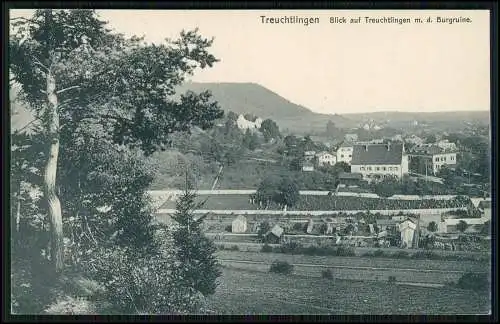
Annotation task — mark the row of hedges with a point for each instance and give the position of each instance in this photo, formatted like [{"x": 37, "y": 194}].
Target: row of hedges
[
  {"x": 296, "y": 248},
  {"x": 356, "y": 203},
  {"x": 306, "y": 202},
  {"x": 428, "y": 255}
]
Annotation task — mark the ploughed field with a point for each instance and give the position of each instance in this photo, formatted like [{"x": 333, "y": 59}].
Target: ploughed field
[
  {"x": 435, "y": 272},
  {"x": 242, "y": 202},
  {"x": 248, "y": 292}
]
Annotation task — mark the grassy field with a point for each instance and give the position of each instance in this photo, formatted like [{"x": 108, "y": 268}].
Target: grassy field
[
  {"x": 230, "y": 202},
  {"x": 245, "y": 292}
]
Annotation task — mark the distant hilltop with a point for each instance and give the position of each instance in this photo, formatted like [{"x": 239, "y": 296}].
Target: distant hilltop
[{"x": 252, "y": 98}]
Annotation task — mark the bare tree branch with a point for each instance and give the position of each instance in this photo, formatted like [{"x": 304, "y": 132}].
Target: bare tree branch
[
  {"x": 37, "y": 62},
  {"x": 22, "y": 18},
  {"x": 28, "y": 124},
  {"x": 68, "y": 88}
]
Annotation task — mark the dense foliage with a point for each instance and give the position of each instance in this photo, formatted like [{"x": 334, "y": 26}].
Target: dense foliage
[{"x": 103, "y": 104}]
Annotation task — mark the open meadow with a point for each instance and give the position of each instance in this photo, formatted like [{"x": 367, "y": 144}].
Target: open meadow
[{"x": 247, "y": 292}]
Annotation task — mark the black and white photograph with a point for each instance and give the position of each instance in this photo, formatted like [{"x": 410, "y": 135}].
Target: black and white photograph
[{"x": 250, "y": 162}]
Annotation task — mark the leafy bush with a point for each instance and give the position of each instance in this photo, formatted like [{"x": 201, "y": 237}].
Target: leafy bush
[
  {"x": 291, "y": 247},
  {"x": 426, "y": 255},
  {"x": 345, "y": 251},
  {"x": 474, "y": 281},
  {"x": 266, "y": 248},
  {"x": 401, "y": 255},
  {"x": 282, "y": 267},
  {"x": 70, "y": 306},
  {"x": 299, "y": 227},
  {"x": 378, "y": 253},
  {"x": 327, "y": 274}
]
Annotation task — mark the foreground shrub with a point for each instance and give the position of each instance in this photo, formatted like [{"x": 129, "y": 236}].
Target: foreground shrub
[
  {"x": 474, "y": 281},
  {"x": 327, "y": 274},
  {"x": 150, "y": 284},
  {"x": 70, "y": 306},
  {"x": 378, "y": 253},
  {"x": 266, "y": 248},
  {"x": 282, "y": 267}
]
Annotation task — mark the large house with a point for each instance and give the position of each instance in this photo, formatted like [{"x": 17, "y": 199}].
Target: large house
[
  {"x": 372, "y": 160},
  {"x": 325, "y": 158},
  {"x": 414, "y": 139},
  {"x": 447, "y": 145},
  {"x": 435, "y": 156},
  {"x": 247, "y": 124},
  {"x": 344, "y": 153},
  {"x": 308, "y": 162}
]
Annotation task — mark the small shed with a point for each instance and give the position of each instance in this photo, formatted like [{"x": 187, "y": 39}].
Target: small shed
[
  {"x": 330, "y": 225},
  {"x": 407, "y": 229},
  {"x": 276, "y": 234},
  {"x": 384, "y": 224},
  {"x": 239, "y": 224},
  {"x": 350, "y": 179},
  {"x": 310, "y": 226},
  {"x": 277, "y": 231},
  {"x": 485, "y": 208}
]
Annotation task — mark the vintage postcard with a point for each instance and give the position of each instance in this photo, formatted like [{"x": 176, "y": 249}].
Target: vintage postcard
[{"x": 250, "y": 162}]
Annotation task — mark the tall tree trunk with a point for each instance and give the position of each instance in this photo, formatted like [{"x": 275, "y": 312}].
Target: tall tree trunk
[
  {"x": 18, "y": 209},
  {"x": 53, "y": 203}
]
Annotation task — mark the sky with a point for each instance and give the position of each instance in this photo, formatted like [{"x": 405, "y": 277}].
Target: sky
[{"x": 337, "y": 67}]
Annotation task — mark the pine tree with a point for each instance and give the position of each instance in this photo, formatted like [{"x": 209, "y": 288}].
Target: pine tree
[{"x": 195, "y": 251}]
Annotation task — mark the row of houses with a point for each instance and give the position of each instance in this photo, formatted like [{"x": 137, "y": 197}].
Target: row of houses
[
  {"x": 367, "y": 159},
  {"x": 375, "y": 158},
  {"x": 435, "y": 156}
]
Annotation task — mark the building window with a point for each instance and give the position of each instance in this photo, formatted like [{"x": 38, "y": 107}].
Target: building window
[
  {"x": 369, "y": 168},
  {"x": 377, "y": 169},
  {"x": 350, "y": 155},
  {"x": 452, "y": 158},
  {"x": 362, "y": 168},
  {"x": 384, "y": 168},
  {"x": 436, "y": 159},
  {"x": 396, "y": 168},
  {"x": 341, "y": 156}
]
